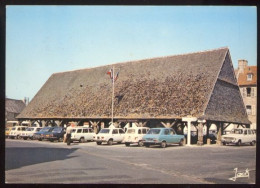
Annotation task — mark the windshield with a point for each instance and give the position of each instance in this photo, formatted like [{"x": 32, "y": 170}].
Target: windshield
[
  {"x": 131, "y": 131},
  {"x": 237, "y": 131},
  {"x": 104, "y": 131},
  {"x": 29, "y": 129},
  {"x": 57, "y": 130},
  {"x": 154, "y": 131},
  {"x": 73, "y": 131},
  {"x": 46, "y": 129}
]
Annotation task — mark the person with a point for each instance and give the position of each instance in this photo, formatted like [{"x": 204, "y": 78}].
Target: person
[{"x": 68, "y": 134}]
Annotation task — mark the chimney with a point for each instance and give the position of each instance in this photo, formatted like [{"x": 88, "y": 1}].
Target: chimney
[{"x": 242, "y": 64}]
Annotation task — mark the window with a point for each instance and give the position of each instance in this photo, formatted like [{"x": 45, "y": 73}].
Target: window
[
  {"x": 249, "y": 76},
  {"x": 121, "y": 131},
  {"x": 85, "y": 130},
  {"x": 115, "y": 131},
  {"x": 166, "y": 132},
  {"x": 248, "y": 91},
  {"x": 248, "y": 109},
  {"x": 172, "y": 132},
  {"x": 144, "y": 131},
  {"x": 139, "y": 131},
  {"x": 79, "y": 131},
  {"x": 90, "y": 130}
]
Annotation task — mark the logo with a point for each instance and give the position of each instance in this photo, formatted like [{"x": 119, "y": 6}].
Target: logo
[{"x": 244, "y": 174}]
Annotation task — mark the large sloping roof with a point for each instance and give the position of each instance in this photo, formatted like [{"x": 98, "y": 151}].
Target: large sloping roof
[
  {"x": 14, "y": 106},
  {"x": 164, "y": 87}
]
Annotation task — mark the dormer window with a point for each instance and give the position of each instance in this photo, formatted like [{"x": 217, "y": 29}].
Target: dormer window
[{"x": 249, "y": 76}]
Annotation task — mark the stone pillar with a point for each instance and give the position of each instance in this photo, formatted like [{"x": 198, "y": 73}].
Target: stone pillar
[
  {"x": 43, "y": 122},
  {"x": 200, "y": 134},
  {"x": 208, "y": 139},
  {"x": 219, "y": 134},
  {"x": 189, "y": 120}
]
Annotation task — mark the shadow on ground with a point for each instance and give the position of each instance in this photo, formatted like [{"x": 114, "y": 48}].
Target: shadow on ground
[{"x": 19, "y": 157}]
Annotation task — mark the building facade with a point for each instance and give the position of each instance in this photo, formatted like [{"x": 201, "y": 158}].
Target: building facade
[
  {"x": 13, "y": 108},
  {"x": 247, "y": 81}
]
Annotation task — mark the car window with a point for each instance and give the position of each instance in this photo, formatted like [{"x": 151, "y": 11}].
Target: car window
[
  {"x": 139, "y": 131},
  {"x": 115, "y": 131},
  {"x": 13, "y": 128},
  {"x": 245, "y": 132},
  {"x": 144, "y": 131},
  {"x": 79, "y": 131},
  {"x": 166, "y": 132},
  {"x": 121, "y": 131},
  {"x": 38, "y": 129},
  {"x": 57, "y": 129},
  {"x": 154, "y": 131},
  {"x": 104, "y": 131},
  {"x": 85, "y": 130},
  {"x": 91, "y": 130},
  {"x": 172, "y": 132}
]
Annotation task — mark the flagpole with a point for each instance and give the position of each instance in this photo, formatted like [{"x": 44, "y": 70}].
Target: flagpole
[{"x": 113, "y": 80}]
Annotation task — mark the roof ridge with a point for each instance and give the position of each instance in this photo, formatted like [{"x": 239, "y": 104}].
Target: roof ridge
[{"x": 152, "y": 58}]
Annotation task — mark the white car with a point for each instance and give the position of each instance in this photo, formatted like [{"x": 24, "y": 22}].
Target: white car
[
  {"x": 135, "y": 135},
  {"x": 17, "y": 131},
  {"x": 82, "y": 134},
  {"x": 28, "y": 133},
  {"x": 110, "y": 135},
  {"x": 239, "y": 136}
]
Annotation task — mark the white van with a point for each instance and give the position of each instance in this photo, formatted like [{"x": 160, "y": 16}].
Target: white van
[
  {"x": 17, "y": 131},
  {"x": 134, "y": 135},
  {"x": 82, "y": 134}
]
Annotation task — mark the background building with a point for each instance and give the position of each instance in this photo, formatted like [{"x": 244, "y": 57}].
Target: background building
[
  {"x": 247, "y": 81},
  {"x": 13, "y": 108}
]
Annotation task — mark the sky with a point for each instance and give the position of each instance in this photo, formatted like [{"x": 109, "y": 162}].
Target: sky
[{"x": 42, "y": 40}]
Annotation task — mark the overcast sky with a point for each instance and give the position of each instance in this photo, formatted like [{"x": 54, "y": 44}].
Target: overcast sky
[{"x": 42, "y": 40}]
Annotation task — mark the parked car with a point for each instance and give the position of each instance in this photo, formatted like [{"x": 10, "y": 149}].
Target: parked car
[
  {"x": 7, "y": 131},
  {"x": 29, "y": 131},
  {"x": 17, "y": 131},
  {"x": 82, "y": 134},
  {"x": 134, "y": 135},
  {"x": 57, "y": 133},
  {"x": 40, "y": 135},
  {"x": 239, "y": 136},
  {"x": 110, "y": 135},
  {"x": 162, "y": 137}
]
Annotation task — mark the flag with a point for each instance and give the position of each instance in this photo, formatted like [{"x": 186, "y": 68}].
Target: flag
[
  {"x": 110, "y": 73},
  {"x": 116, "y": 76}
]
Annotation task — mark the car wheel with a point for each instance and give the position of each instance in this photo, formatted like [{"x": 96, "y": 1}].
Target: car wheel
[
  {"x": 163, "y": 144},
  {"x": 40, "y": 139},
  {"x": 81, "y": 140},
  {"x": 110, "y": 142},
  {"x": 239, "y": 143},
  {"x": 224, "y": 143},
  {"x": 60, "y": 139},
  {"x": 181, "y": 142},
  {"x": 147, "y": 145},
  {"x": 25, "y": 138},
  {"x": 127, "y": 144},
  {"x": 252, "y": 143},
  {"x": 99, "y": 143},
  {"x": 51, "y": 140},
  {"x": 141, "y": 143}
]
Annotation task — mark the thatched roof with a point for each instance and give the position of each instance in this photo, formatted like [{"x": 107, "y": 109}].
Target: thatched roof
[{"x": 164, "y": 87}]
